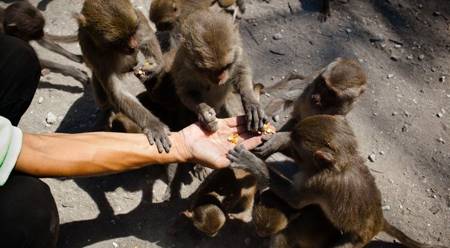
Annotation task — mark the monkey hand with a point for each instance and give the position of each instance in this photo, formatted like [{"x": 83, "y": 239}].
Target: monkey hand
[
  {"x": 272, "y": 144},
  {"x": 256, "y": 118},
  {"x": 323, "y": 16},
  {"x": 207, "y": 117},
  {"x": 158, "y": 133},
  {"x": 201, "y": 172},
  {"x": 241, "y": 158}
]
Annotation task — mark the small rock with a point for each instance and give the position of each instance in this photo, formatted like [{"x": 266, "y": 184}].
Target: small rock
[
  {"x": 404, "y": 129},
  {"x": 115, "y": 244},
  {"x": 372, "y": 158},
  {"x": 51, "y": 118},
  {"x": 442, "y": 79},
  {"x": 409, "y": 57},
  {"x": 381, "y": 152},
  {"x": 45, "y": 72},
  {"x": 398, "y": 46},
  {"x": 395, "y": 57},
  {"x": 439, "y": 115},
  {"x": 436, "y": 13},
  {"x": 386, "y": 208},
  {"x": 40, "y": 100},
  {"x": 390, "y": 76},
  {"x": 441, "y": 140},
  {"x": 276, "y": 118},
  {"x": 421, "y": 57},
  {"x": 406, "y": 113},
  {"x": 348, "y": 31},
  {"x": 277, "y": 36},
  {"x": 394, "y": 113},
  {"x": 433, "y": 69}
]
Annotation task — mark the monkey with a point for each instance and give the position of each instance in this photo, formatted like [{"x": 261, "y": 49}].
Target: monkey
[
  {"x": 334, "y": 177},
  {"x": 209, "y": 63},
  {"x": 224, "y": 193},
  {"x": 26, "y": 22},
  {"x": 307, "y": 229},
  {"x": 166, "y": 14},
  {"x": 333, "y": 91},
  {"x": 111, "y": 33},
  {"x": 325, "y": 11}
]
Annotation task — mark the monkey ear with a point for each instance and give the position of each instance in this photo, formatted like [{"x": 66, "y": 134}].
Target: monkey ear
[
  {"x": 324, "y": 158},
  {"x": 81, "y": 19}
]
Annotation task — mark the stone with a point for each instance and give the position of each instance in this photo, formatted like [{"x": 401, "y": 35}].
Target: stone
[{"x": 51, "y": 118}]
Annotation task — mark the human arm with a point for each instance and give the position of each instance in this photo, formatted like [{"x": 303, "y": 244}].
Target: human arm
[{"x": 89, "y": 154}]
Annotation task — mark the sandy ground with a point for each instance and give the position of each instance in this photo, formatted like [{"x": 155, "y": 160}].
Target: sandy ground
[{"x": 403, "y": 120}]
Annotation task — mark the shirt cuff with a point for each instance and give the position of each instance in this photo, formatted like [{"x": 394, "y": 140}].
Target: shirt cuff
[{"x": 11, "y": 155}]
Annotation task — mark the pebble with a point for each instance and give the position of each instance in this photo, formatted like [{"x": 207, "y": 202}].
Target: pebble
[
  {"x": 51, "y": 118},
  {"x": 394, "y": 113},
  {"x": 441, "y": 140},
  {"x": 409, "y": 57},
  {"x": 421, "y": 57},
  {"x": 386, "y": 208},
  {"x": 277, "y": 36},
  {"x": 439, "y": 115},
  {"x": 381, "y": 152},
  {"x": 436, "y": 13},
  {"x": 115, "y": 244},
  {"x": 372, "y": 158},
  {"x": 390, "y": 75},
  {"x": 404, "y": 129},
  {"x": 40, "y": 100},
  {"x": 442, "y": 79},
  {"x": 276, "y": 118},
  {"x": 406, "y": 113}
]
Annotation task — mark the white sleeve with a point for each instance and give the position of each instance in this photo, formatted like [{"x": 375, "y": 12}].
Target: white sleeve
[{"x": 10, "y": 145}]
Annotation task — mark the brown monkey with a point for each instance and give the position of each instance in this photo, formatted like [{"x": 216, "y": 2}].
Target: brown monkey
[
  {"x": 231, "y": 191},
  {"x": 167, "y": 13},
  {"x": 334, "y": 177},
  {"x": 24, "y": 21},
  {"x": 110, "y": 34},
  {"x": 209, "y": 63},
  {"x": 333, "y": 91},
  {"x": 309, "y": 228}
]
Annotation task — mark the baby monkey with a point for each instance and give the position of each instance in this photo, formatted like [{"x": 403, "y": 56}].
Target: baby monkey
[
  {"x": 224, "y": 193},
  {"x": 334, "y": 177},
  {"x": 209, "y": 64},
  {"x": 26, "y": 22},
  {"x": 167, "y": 13},
  {"x": 334, "y": 92}
]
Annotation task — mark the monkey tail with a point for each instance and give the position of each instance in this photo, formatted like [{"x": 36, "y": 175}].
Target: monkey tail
[
  {"x": 63, "y": 38},
  {"x": 403, "y": 238}
]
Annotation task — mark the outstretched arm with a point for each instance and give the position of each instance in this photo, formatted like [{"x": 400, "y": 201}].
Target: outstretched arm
[{"x": 89, "y": 154}]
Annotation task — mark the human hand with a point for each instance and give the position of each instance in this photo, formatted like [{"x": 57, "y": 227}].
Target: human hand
[{"x": 211, "y": 149}]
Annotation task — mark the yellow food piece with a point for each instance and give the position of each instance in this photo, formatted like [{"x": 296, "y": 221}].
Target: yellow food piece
[
  {"x": 234, "y": 138},
  {"x": 267, "y": 129}
]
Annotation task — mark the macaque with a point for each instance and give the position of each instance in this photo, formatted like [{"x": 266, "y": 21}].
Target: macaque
[
  {"x": 333, "y": 91},
  {"x": 26, "y": 22},
  {"x": 231, "y": 191},
  {"x": 209, "y": 63},
  {"x": 333, "y": 176},
  {"x": 111, "y": 33},
  {"x": 166, "y": 14}
]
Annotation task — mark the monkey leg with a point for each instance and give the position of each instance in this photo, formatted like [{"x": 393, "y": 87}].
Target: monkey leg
[
  {"x": 246, "y": 204},
  {"x": 325, "y": 11},
  {"x": 66, "y": 70},
  {"x": 52, "y": 46}
]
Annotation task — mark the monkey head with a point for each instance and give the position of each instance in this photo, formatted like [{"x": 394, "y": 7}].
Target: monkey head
[
  {"x": 268, "y": 220},
  {"x": 111, "y": 24},
  {"x": 208, "y": 218},
  {"x": 213, "y": 45},
  {"x": 338, "y": 86},
  {"x": 164, "y": 13},
  {"x": 323, "y": 142},
  {"x": 24, "y": 21}
]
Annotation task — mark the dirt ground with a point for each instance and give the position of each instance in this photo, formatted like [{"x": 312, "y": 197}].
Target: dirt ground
[{"x": 402, "y": 121}]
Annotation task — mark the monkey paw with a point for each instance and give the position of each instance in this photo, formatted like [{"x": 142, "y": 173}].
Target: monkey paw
[
  {"x": 242, "y": 158},
  {"x": 256, "y": 118},
  {"x": 245, "y": 216},
  {"x": 207, "y": 116},
  {"x": 200, "y": 172},
  {"x": 323, "y": 17},
  {"x": 158, "y": 133},
  {"x": 272, "y": 144}
]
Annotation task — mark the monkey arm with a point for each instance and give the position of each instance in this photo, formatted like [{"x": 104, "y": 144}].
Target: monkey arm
[
  {"x": 52, "y": 46},
  {"x": 156, "y": 131}
]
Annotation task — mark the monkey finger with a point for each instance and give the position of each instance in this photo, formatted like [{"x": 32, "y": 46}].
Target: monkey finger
[
  {"x": 232, "y": 158},
  {"x": 149, "y": 135},
  {"x": 255, "y": 119},
  {"x": 159, "y": 145},
  {"x": 249, "y": 119}
]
